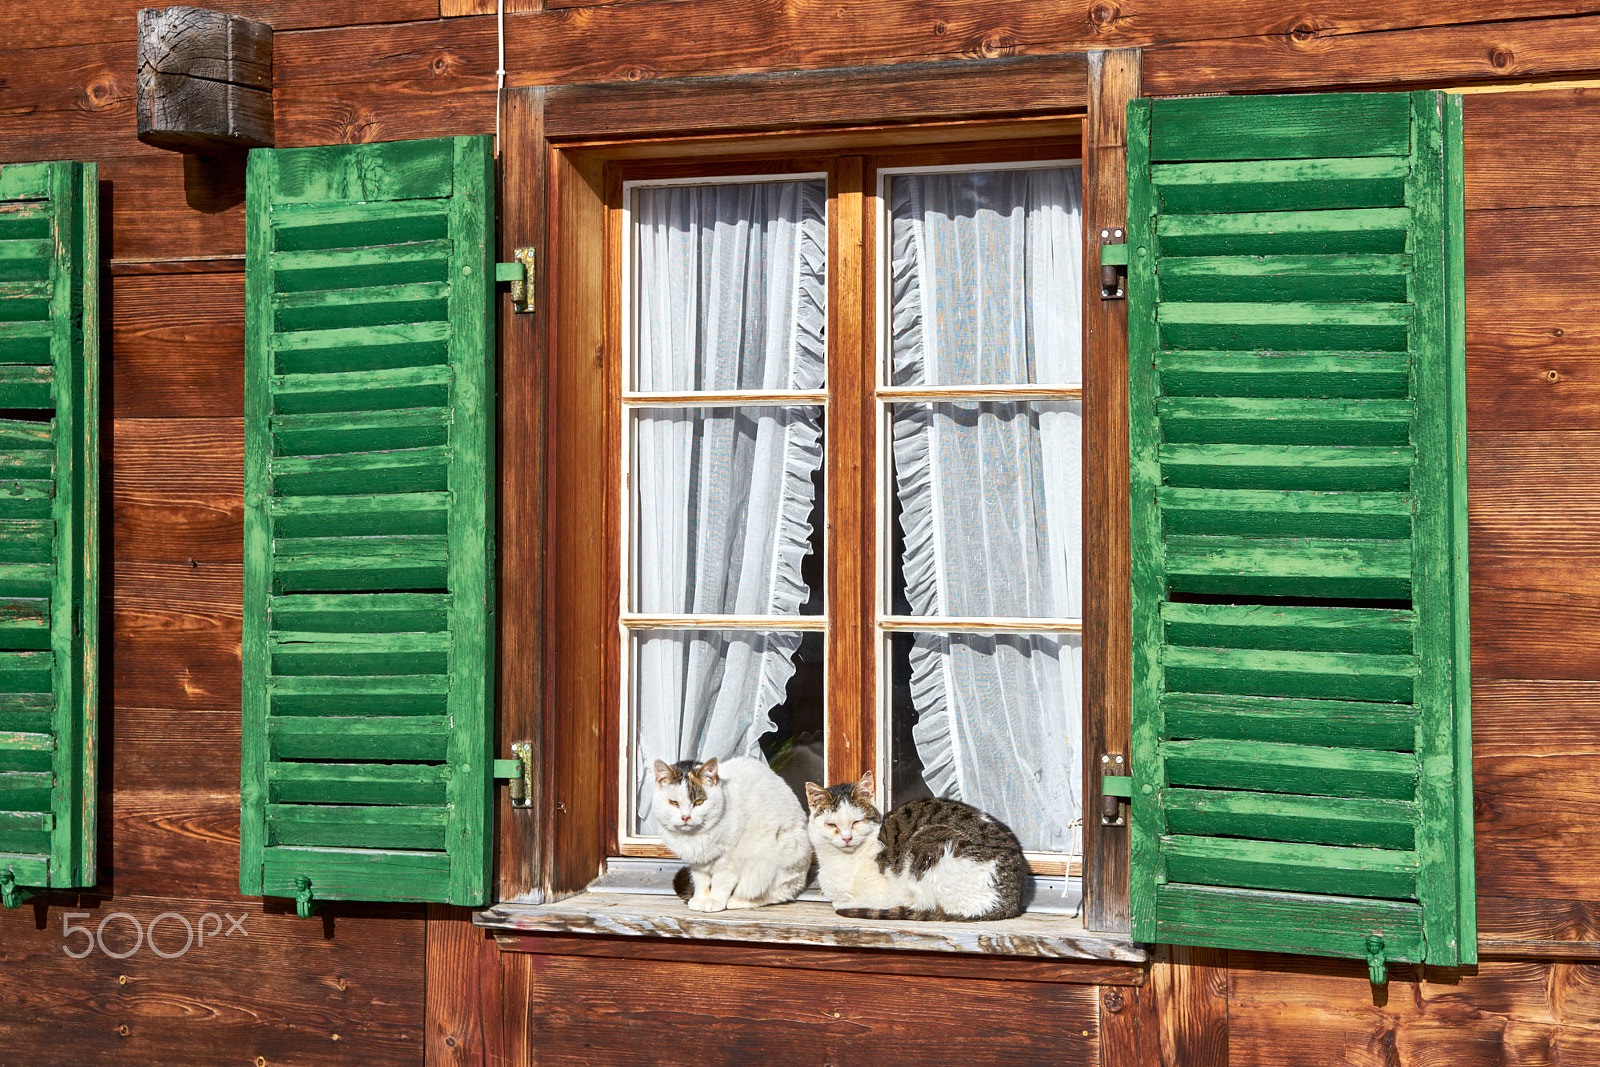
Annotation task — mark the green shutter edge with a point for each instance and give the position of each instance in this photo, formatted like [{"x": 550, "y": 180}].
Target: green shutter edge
[
  {"x": 1173, "y": 909},
  {"x": 68, "y": 860},
  {"x": 397, "y": 180}
]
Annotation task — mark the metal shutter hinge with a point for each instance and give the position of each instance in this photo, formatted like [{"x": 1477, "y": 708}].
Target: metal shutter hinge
[
  {"x": 1114, "y": 262},
  {"x": 1114, "y": 789},
  {"x": 520, "y": 772},
  {"x": 520, "y": 275}
]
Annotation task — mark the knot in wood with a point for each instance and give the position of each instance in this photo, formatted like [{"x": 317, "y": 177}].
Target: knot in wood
[
  {"x": 997, "y": 44},
  {"x": 1502, "y": 58},
  {"x": 1303, "y": 32},
  {"x": 940, "y": 29},
  {"x": 1113, "y": 1001},
  {"x": 1104, "y": 14}
]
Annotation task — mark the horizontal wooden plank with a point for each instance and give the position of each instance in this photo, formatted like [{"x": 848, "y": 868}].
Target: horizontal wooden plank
[
  {"x": 25, "y": 790},
  {"x": 25, "y": 759},
  {"x": 345, "y": 613},
  {"x": 359, "y": 654},
  {"x": 14, "y": 741},
  {"x": 1291, "y": 628},
  {"x": 1307, "y": 127},
  {"x": 361, "y": 268},
  {"x": 374, "y": 390},
  {"x": 1387, "y": 824},
  {"x": 26, "y": 464},
  {"x": 1307, "y": 467},
  {"x": 1507, "y": 138},
  {"x": 1303, "y": 770},
  {"x": 339, "y": 738},
  {"x": 1284, "y": 421},
  {"x": 418, "y": 694},
  {"x": 356, "y": 783},
  {"x": 1328, "y": 926},
  {"x": 359, "y": 225},
  {"x": 26, "y": 498},
  {"x": 416, "y": 344},
  {"x": 1280, "y": 185},
  {"x": 179, "y": 345},
  {"x": 27, "y": 342},
  {"x": 24, "y": 386},
  {"x": 175, "y": 634},
  {"x": 26, "y": 579},
  {"x": 1291, "y": 867},
  {"x": 1280, "y": 233},
  {"x": 323, "y": 434},
  {"x": 1309, "y": 374},
  {"x": 179, "y": 489},
  {"x": 27, "y": 540},
  {"x": 29, "y": 870},
  {"x": 351, "y": 564},
  {"x": 1285, "y": 566},
  {"x": 1314, "y": 721},
  {"x": 1324, "y": 675},
  {"x": 1257, "y": 279},
  {"x": 26, "y": 672},
  {"x": 358, "y": 874},
  {"x": 348, "y": 516},
  {"x": 379, "y": 305},
  {"x": 404, "y": 471},
  {"x": 985, "y": 88},
  {"x": 1276, "y": 513},
  {"x": 378, "y": 173},
  {"x": 334, "y": 826}
]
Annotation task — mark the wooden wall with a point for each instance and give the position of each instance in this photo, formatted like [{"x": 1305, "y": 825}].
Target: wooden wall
[{"x": 388, "y": 985}]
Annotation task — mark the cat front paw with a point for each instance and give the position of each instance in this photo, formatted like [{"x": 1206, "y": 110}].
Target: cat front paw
[{"x": 705, "y": 904}]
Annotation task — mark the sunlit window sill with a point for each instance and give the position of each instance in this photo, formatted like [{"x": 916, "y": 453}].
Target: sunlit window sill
[{"x": 615, "y": 908}]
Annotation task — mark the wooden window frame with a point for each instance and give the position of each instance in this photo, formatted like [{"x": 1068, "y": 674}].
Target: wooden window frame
[{"x": 555, "y": 148}]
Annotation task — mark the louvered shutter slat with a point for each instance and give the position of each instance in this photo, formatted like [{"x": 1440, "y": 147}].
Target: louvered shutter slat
[
  {"x": 368, "y": 627},
  {"x": 1300, "y": 691},
  {"x": 49, "y": 552}
]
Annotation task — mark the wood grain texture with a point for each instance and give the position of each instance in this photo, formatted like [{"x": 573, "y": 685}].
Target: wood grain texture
[
  {"x": 1130, "y": 1026},
  {"x": 726, "y": 954},
  {"x": 902, "y": 93},
  {"x": 176, "y": 346},
  {"x": 1286, "y": 1012},
  {"x": 174, "y": 634},
  {"x": 1190, "y": 987},
  {"x": 1507, "y": 142},
  {"x": 522, "y": 395},
  {"x": 1114, "y": 80},
  {"x": 770, "y": 1015},
  {"x": 177, "y": 489},
  {"x": 1526, "y": 842},
  {"x": 464, "y": 998},
  {"x": 1538, "y": 926},
  {"x": 636, "y": 41},
  {"x": 167, "y": 205},
  {"x": 79, "y": 21},
  {"x": 280, "y": 988},
  {"x": 439, "y": 105},
  {"x": 1310, "y": 53}
]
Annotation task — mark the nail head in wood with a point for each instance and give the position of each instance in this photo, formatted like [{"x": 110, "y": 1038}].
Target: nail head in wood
[{"x": 205, "y": 80}]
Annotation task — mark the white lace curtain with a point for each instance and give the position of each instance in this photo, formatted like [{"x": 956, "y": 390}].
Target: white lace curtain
[
  {"x": 985, "y": 283},
  {"x": 731, "y": 291}
]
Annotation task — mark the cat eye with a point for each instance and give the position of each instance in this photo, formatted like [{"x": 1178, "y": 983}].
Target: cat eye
[{"x": 674, "y": 803}]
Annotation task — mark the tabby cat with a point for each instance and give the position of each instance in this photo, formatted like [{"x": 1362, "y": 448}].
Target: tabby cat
[
  {"x": 927, "y": 859},
  {"x": 740, "y": 828}
]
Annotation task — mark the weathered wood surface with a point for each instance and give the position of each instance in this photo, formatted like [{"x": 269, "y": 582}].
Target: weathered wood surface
[
  {"x": 278, "y": 991},
  {"x": 1310, "y": 53},
  {"x": 466, "y": 1005},
  {"x": 205, "y": 79},
  {"x": 872, "y": 961},
  {"x": 634, "y": 41},
  {"x": 810, "y": 923},
  {"x": 1190, "y": 986},
  {"x": 175, "y": 635},
  {"x": 1285, "y": 1012},
  {"x": 165, "y": 507},
  {"x": 577, "y": 1007},
  {"x": 176, "y": 348},
  {"x": 81, "y": 21}
]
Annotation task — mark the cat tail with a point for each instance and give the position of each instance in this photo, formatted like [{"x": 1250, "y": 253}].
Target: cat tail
[
  {"x": 683, "y": 883},
  {"x": 918, "y": 914}
]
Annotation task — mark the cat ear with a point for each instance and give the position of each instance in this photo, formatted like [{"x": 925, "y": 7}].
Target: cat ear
[
  {"x": 707, "y": 771},
  {"x": 864, "y": 788},
  {"x": 816, "y": 796},
  {"x": 663, "y": 772}
]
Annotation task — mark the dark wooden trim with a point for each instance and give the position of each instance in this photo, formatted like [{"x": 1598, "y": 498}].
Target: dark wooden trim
[
  {"x": 224, "y": 264},
  {"x": 909, "y": 92},
  {"x": 523, "y": 194},
  {"x": 462, "y": 992},
  {"x": 1114, "y": 79},
  {"x": 863, "y": 961}
]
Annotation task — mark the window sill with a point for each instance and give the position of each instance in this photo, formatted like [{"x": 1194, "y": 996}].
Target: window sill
[{"x": 1048, "y": 935}]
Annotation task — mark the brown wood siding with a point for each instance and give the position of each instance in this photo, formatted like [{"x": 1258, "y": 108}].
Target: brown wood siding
[{"x": 387, "y": 985}]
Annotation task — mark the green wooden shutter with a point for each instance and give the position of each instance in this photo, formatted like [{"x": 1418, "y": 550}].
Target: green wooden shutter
[
  {"x": 369, "y": 450},
  {"x": 49, "y": 524},
  {"x": 1301, "y": 749}
]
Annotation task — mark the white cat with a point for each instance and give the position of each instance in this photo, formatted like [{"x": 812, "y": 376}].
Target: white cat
[{"x": 739, "y": 827}]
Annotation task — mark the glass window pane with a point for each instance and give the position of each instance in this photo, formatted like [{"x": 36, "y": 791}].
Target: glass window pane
[
  {"x": 994, "y": 720},
  {"x": 702, "y": 693},
  {"x": 730, "y": 286},
  {"x": 985, "y": 277},
  {"x": 726, "y": 507},
  {"x": 988, "y": 511}
]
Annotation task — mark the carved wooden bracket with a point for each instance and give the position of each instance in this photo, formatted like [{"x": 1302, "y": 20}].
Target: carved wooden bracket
[{"x": 205, "y": 80}]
